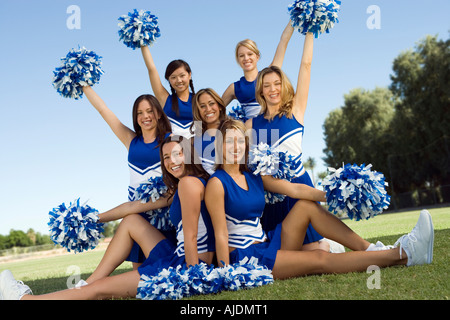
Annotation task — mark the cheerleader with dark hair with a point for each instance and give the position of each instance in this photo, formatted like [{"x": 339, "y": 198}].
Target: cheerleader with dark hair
[{"x": 178, "y": 103}]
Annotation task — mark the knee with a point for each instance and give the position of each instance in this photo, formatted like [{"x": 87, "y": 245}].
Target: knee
[
  {"x": 322, "y": 259},
  {"x": 131, "y": 221}
]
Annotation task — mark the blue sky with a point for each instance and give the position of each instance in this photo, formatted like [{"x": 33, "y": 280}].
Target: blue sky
[{"x": 55, "y": 149}]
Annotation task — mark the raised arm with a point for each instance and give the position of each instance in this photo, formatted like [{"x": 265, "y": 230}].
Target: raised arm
[
  {"x": 282, "y": 46},
  {"x": 304, "y": 77},
  {"x": 293, "y": 190},
  {"x": 214, "y": 199},
  {"x": 191, "y": 192},
  {"x": 158, "y": 89},
  {"x": 133, "y": 207},
  {"x": 122, "y": 132},
  {"x": 229, "y": 95}
]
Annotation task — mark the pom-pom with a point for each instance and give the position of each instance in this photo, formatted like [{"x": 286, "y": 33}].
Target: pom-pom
[
  {"x": 356, "y": 191},
  {"x": 237, "y": 113},
  {"x": 269, "y": 161},
  {"x": 174, "y": 282},
  {"x": 316, "y": 16},
  {"x": 79, "y": 68},
  {"x": 152, "y": 190},
  {"x": 75, "y": 227},
  {"x": 245, "y": 274},
  {"x": 138, "y": 29},
  {"x": 181, "y": 282}
]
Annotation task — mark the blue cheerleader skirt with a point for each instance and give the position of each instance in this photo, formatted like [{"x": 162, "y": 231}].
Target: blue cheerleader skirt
[
  {"x": 275, "y": 213},
  {"x": 162, "y": 256},
  {"x": 136, "y": 255},
  {"x": 265, "y": 252}
]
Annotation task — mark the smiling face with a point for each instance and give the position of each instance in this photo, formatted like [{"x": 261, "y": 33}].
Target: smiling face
[
  {"x": 247, "y": 59},
  {"x": 147, "y": 118},
  {"x": 209, "y": 109},
  {"x": 179, "y": 79},
  {"x": 233, "y": 147},
  {"x": 271, "y": 88},
  {"x": 174, "y": 159}
]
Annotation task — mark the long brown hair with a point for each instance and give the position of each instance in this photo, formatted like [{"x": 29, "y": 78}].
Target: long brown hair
[
  {"x": 163, "y": 124},
  {"x": 193, "y": 165},
  {"x": 231, "y": 124},
  {"x": 196, "y": 112}
]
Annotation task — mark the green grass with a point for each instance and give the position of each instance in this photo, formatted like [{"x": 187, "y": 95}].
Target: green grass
[{"x": 420, "y": 282}]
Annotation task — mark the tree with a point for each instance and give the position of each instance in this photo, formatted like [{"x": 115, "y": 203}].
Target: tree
[
  {"x": 17, "y": 238},
  {"x": 310, "y": 164},
  {"x": 421, "y": 82},
  {"x": 359, "y": 131}
]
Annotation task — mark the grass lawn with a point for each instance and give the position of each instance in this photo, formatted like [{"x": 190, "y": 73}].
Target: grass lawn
[{"x": 421, "y": 282}]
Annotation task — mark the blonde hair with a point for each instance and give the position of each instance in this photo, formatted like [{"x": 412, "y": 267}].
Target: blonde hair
[
  {"x": 287, "y": 92},
  {"x": 231, "y": 124},
  {"x": 196, "y": 113},
  {"x": 249, "y": 44}
]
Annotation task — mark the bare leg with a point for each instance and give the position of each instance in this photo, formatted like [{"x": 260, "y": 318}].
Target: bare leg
[
  {"x": 132, "y": 228},
  {"x": 300, "y": 263},
  {"x": 120, "y": 286},
  {"x": 305, "y": 212}
]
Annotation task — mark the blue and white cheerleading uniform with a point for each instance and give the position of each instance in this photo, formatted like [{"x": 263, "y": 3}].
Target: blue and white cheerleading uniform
[
  {"x": 144, "y": 163},
  {"x": 180, "y": 123},
  {"x": 205, "y": 147},
  {"x": 286, "y": 135},
  {"x": 243, "y": 210},
  {"x": 245, "y": 94},
  {"x": 166, "y": 254}
]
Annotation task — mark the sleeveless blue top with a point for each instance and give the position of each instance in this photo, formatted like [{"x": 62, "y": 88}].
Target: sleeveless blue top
[
  {"x": 283, "y": 133},
  {"x": 243, "y": 209},
  {"x": 245, "y": 94},
  {"x": 205, "y": 233},
  {"x": 204, "y": 145},
  {"x": 144, "y": 163},
  {"x": 180, "y": 124}
]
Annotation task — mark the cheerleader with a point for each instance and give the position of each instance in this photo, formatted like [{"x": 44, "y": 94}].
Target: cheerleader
[
  {"x": 151, "y": 126},
  {"x": 280, "y": 124},
  {"x": 247, "y": 56},
  {"x": 209, "y": 111},
  {"x": 195, "y": 240},
  {"x": 239, "y": 234},
  {"x": 178, "y": 103}
]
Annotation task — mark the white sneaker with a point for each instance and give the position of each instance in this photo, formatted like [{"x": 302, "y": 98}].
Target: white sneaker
[
  {"x": 335, "y": 247},
  {"x": 80, "y": 284},
  {"x": 10, "y": 288},
  {"x": 378, "y": 247},
  {"x": 418, "y": 244}
]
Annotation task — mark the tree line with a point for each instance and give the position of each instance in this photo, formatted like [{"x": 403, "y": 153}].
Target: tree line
[
  {"x": 18, "y": 238},
  {"x": 404, "y": 129}
]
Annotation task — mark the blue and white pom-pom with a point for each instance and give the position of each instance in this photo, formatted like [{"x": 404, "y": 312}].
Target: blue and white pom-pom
[
  {"x": 245, "y": 274},
  {"x": 356, "y": 191},
  {"x": 316, "y": 16},
  {"x": 181, "y": 282},
  {"x": 138, "y": 29},
  {"x": 265, "y": 160},
  {"x": 237, "y": 113},
  {"x": 174, "y": 283},
  {"x": 75, "y": 227},
  {"x": 152, "y": 190},
  {"x": 78, "y": 68}
]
